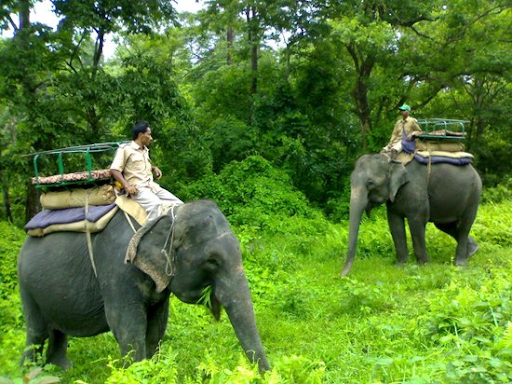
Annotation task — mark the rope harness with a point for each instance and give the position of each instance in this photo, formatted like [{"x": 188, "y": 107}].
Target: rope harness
[
  {"x": 88, "y": 234},
  {"x": 169, "y": 254},
  {"x": 167, "y": 250},
  {"x": 129, "y": 220},
  {"x": 429, "y": 165}
]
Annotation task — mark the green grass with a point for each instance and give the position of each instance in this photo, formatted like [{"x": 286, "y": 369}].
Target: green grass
[{"x": 383, "y": 324}]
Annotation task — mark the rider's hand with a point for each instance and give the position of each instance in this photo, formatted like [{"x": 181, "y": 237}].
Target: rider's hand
[
  {"x": 158, "y": 172},
  {"x": 131, "y": 189}
]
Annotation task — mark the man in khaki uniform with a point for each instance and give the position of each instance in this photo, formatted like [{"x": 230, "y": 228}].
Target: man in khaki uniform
[
  {"x": 132, "y": 168},
  {"x": 405, "y": 129}
]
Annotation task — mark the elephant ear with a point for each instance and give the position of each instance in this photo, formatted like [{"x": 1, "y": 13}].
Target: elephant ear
[
  {"x": 398, "y": 177},
  {"x": 145, "y": 250}
]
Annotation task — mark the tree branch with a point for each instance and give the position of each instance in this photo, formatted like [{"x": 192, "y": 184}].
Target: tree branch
[{"x": 13, "y": 24}]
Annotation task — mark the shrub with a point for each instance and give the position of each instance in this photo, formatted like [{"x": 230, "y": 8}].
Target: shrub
[
  {"x": 472, "y": 323},
  {"x": 252, "y": 192},
  {"x": 362, "y": 298},
  {"x": 11, "y": 239},
  {"x": 499, "y": 193},
  {"x": 162, "y": 368},
  {"x": 494, "y": 224}
]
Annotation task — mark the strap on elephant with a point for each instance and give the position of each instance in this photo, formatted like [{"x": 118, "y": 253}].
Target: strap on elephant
[
  {"x": 155, "y": 265},
  {"x": 129, "y": 220},
  {"x": 88, "y": 235},
  {"x": 168, "y": 252}
]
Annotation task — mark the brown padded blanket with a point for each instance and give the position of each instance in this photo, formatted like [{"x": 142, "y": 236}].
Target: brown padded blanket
[{"x": 78, "y": 197}]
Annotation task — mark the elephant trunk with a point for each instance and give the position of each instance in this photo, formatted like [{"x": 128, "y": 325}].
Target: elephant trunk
[
  {"x": 358, "y": 203},
  {"x": 235, "y": 297}
]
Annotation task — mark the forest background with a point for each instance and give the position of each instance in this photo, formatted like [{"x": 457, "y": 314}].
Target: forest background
[
  {"x": 307, "y": 85},
  {"x": 264, "y": 106}
]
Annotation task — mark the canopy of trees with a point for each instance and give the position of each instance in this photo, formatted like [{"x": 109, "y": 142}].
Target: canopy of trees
[{"x": 306, "y": 85}]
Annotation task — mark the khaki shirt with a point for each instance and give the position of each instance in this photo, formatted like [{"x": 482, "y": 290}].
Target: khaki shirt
[
  {"x": 134, "y": 163},
  {"x": 409, "y": 125}
]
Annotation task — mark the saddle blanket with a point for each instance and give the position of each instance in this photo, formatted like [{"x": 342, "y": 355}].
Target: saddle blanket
[
  {"x": 75, "y": 219},
  {"x": 437, "y": 157},
  {"x": 71, "y": 219}
]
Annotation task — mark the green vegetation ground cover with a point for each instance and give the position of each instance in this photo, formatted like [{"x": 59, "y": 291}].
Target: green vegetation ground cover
[{"x": 382, "y": 324}]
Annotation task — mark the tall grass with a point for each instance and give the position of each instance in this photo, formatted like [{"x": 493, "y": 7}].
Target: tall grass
[{"x": 382, "y": 324}]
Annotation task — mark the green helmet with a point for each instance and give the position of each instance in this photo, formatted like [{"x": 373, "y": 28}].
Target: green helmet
[{"x": 405, "y": 107}]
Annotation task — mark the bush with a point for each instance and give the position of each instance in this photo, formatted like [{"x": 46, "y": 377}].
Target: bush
[
  {"x": 493, "y": 223},
  {"x": 252, "y": 192},
  {"x": 471, "y": 321},
  {"x": 499, "y": 193},
  {"x": 11, "y": 239}
]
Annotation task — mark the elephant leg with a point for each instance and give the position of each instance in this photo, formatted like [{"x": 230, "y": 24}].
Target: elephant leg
[
  {"x": 34, "y": 347},
  {"x": 157, "y": 323},
  {"x": 472, "y": 246},
  {"x": 464, "y": 242},
  {"x": 466, "y": 246},
  {"x": 128, "y": 323},
  {"x": 57, "y": 350},
  {"x": 397, "y": 228},
  {"x": 36, "y": 329},
  {"x": 461, "y": 252},
  {"x": 417, "y": 228}
]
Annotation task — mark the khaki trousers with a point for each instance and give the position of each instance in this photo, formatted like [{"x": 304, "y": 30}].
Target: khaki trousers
[{"x": 153, "y": 199}]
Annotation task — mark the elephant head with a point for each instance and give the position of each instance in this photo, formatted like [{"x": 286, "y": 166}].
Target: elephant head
[
  {"x": 375, "y": 180},
  {"x": 197, "y": 251}
]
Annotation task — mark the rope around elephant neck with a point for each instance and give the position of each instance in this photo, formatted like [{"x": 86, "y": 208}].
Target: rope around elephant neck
[
  {"x": 88, "y": 234},
  {"x": 129, "y": 220},
  {"x": 170, "y": 255},
  {"x": 429, "y": 166}
]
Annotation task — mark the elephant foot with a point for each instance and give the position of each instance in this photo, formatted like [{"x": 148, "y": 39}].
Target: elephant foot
[
  {"x": 400, "y": 263},
  {"x": 472, "y": 247},
  {"x": 64, "y": 364},
  {"x": 461, "y": 262},
  {"x": 422, "y": 260}
]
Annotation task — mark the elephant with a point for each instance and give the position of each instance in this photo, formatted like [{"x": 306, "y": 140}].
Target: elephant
[
  {"x": 444, "y": 194},
  {"x": 64, "y": 293}
]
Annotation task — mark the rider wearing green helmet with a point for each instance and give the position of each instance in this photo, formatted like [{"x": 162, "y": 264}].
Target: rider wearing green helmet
[{"x": 404, "y": 131}]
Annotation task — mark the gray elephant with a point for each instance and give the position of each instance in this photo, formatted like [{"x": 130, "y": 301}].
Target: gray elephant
[
  {"x": 62, "y": 296},
  {"x": 444, "y": 194}
]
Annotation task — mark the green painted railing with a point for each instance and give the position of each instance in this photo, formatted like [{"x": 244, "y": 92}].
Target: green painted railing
[
  {"x": 87, "y": 151},
  {"x": 444, "y": 129}
]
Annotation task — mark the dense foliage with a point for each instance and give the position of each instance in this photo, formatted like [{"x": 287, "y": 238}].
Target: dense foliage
[{"x": 306, "y": 85}]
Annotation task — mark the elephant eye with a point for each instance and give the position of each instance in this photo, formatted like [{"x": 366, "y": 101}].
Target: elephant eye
[
  {"x": 371, "y": 183},
  {"x": 212, "y": 261}
]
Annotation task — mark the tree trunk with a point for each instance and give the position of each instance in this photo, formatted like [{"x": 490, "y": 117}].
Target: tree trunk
[
  {"x": 230, "y": 38},
  {"x": 27, "y": 83},
  {"x": 7, "y": 203},
  {"x": 5, "y": 192},
  {"x": 98, "y": 52},
  {"x": 24, "y": 14},
  {"x": 288, "y": 54},
  {"x": 363, "y": 67},
  {"x": 253, "y": 38},
  {"x": 32, "y": 205}
]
